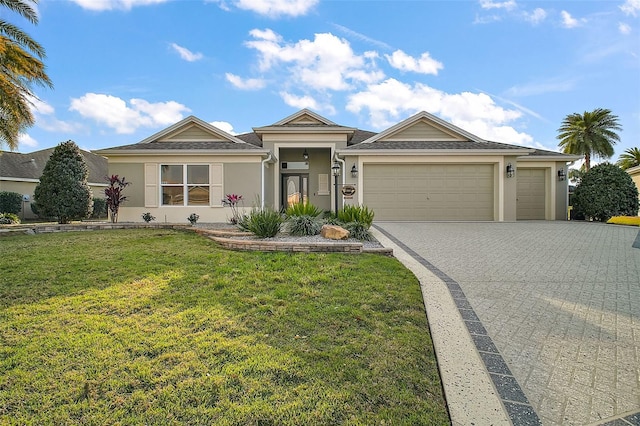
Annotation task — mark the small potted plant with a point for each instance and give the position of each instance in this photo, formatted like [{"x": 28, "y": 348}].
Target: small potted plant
[{"x": 193, "y": 218}]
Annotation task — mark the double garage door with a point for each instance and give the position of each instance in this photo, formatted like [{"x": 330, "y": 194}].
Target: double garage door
[{"x": 429, "y": 191}]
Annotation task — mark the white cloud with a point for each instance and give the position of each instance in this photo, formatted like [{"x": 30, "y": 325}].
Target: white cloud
[
  {"x": 631, "y": 7},
  {"x": 271, "y": 8},
  {"x": 569, "y": 21},
  {"x": 102, "y": 5},
  {"x": 391, "y": 100},
  {"x": 45, "y": 117},
  {"x": 245, "y": 84},
  {"x": 224, "y": 126},
  {"x": 489, "y": 4},
  {"x": 327, "y": 62},
  {"x": 38, "y": 106},
  {"x": 299, "y": 101},
  {"x": 115, "y": 113},
  {"x": 624, "y": 28},
  {"x": 538, "y": 15},
  {"x": 186, "y": 54},
  {"x": 26, "y": 141},
  {"x": 423, "y": 65}
]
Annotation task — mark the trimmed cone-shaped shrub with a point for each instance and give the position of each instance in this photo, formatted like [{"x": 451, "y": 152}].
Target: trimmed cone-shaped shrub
[
  {"x": 606, "y": 191},
  {"x": 63, "y": 191}
]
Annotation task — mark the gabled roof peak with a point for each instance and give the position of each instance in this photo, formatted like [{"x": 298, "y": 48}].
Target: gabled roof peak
[
  {"x": 445, "y": 126},
  {"x": 305, "y": 117},
  {"x": 192, "y": 120}
]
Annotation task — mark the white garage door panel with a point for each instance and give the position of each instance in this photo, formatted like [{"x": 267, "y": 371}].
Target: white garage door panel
[
  {"x": 531, "y": 196},
  {"x": 429, "y": 191}
]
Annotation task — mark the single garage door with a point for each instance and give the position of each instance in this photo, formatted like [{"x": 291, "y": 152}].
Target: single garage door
[
  {"x": 531, "y": 197},
  {"x": 429, "y": 191}
]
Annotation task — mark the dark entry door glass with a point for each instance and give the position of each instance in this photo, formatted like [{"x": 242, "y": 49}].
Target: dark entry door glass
[{"x": 295, "y": 189}]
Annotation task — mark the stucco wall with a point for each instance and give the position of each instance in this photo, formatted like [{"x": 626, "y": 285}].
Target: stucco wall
[
  {"x": 243, "y": 179},
  {"x": 133, "y": 173}
]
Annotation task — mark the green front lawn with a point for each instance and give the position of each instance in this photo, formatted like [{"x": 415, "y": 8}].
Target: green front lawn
[{"x": 163, "y": 327}]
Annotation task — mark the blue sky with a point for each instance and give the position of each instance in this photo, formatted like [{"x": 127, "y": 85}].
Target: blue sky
[{"x": 507, "y": 71}]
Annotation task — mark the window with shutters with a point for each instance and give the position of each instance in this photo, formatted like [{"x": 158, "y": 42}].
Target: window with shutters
[{"x": 185, "y": 184}]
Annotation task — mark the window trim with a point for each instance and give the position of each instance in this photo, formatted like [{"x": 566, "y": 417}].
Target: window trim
[{"x": 185, "y": 185}]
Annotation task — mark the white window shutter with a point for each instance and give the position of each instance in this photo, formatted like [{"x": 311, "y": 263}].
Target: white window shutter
[
  {"x": 217, "y": 179},
  {"x": 151, "y": 190}
]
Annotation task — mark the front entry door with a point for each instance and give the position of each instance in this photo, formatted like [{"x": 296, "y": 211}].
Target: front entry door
[{"x": 295, "y": 189}]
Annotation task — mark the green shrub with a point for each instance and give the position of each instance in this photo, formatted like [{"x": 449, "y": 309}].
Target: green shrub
[
  {"x": 303, "y": 225},
  {"x": 361, "y": 214},
  {"x": 264, "y": 223},
  {"x": 10, "y": 202},
  {"x": 359, "y": 231},
  {"x": 193, "y": 218},
  {"x": 9, "y": 219},
  {"x": 148, "y": 217},
  {"x": 303, "y": 209},
  {"x": 63, "y": 191},
  {"x": 606, "y": 191},
  {"x": 99, "y": 208}
]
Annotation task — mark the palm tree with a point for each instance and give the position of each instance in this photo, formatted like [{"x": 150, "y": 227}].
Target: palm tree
[
  {"x": 21, "y": 67},
  {"x": 629, "y": 158},
  {"x": 589, "y": 134}
]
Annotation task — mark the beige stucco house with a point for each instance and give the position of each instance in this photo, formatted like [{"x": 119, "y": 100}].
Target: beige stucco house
[
  {"x": 21, "y": 173},
  {"x": 422, "y": 168},
  {"x": 634, "y": 172}
]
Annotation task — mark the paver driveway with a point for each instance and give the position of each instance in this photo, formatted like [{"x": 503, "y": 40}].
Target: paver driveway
[{"x": 561, "y": 302}]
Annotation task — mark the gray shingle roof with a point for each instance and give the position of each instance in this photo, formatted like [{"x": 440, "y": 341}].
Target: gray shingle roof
[
  {"x": 190, "y": 145},
  {"x": 31, "y": 165},
  {"x": 251, "y": 138},
  {"x": 434, "y": 145}
]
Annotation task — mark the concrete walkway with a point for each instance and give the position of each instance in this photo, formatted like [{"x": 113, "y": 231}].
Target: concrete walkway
[{"x": 533, "y": 322}]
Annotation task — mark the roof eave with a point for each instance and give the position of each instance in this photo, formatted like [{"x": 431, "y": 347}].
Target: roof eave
[
  {"x": 138, "y": 152},
  {"x": 309, "y": 129},
  {"x": 433, "y": 152},
  {"x": 559, "y": 157}
]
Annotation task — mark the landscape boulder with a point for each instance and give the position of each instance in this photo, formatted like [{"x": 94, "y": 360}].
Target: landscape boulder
[{"x": 334, "y": 232}]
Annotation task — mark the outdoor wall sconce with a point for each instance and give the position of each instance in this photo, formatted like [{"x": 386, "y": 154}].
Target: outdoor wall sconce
[
  {"x": 354, "y": 171},
  {"x": 561, "y": 175},
  {"x": 510, "y": 171},
  {"x": 305, "y": 154}
]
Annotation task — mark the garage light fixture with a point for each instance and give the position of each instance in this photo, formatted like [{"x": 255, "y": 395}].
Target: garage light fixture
[
  {"x": 305, "y": 154},
  {"x": 354, "y": 171},
  {"x": 510, "y": 171},
  {"x": 561, "y": 175}
]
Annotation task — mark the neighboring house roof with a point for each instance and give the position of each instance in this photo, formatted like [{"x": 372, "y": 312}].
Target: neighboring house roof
[
  {"x": 190, "y": 134},
  {"x": 28, "y": 167}
]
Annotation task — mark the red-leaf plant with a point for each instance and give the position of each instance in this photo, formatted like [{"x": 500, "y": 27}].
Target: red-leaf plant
[
  {"x": 232, "y": 201},
  {"x": 114, "y": 196}
]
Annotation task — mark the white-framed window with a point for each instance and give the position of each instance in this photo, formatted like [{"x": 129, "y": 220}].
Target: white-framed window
[{"x": 185, "y": 184}]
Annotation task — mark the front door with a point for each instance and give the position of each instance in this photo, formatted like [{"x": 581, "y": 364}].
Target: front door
[{"x": 295, "y": 189}]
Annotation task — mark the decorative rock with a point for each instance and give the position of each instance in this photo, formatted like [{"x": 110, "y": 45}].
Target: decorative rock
[{"x": 334, "y": 232}]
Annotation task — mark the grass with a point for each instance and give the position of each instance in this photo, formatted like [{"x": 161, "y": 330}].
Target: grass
[
  {"x": 625, "y": 220},
  {"x": 162, "y": 327}
]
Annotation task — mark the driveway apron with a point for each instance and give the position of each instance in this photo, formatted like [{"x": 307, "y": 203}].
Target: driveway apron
[{"x": 553, "y": 309}]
